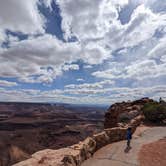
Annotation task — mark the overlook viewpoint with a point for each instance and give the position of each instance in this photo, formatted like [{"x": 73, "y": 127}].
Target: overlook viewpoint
[
  {"x": 82, "y": 82},
  {"x": 107, "y": 148}
]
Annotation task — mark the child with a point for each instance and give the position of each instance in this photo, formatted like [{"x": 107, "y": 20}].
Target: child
[{"x": 129, "y": 136}]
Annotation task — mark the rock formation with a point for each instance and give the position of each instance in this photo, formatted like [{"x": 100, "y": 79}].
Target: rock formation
[
  {"x": 122, "y": 113},
  {"x": 128, "y": 113},
  {"x": 76, "y": 154}
]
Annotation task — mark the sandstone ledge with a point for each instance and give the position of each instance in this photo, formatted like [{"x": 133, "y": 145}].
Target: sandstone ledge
[{"x": 76, "y": 154}]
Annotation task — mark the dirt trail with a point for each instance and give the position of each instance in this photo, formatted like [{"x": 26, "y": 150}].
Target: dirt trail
[{"x": 117, "y": 154}]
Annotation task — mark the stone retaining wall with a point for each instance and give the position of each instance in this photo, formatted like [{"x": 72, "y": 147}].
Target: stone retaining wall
[{"x": 76, "y": 154}]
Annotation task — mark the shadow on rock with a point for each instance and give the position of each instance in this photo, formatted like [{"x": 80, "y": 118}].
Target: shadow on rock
[{"x": 127, "y": 149}]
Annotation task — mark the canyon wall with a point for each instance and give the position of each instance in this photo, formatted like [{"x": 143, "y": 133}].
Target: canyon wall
[
  {"x": 117, "y": 119},
  {"x": 120, "y": 114}
]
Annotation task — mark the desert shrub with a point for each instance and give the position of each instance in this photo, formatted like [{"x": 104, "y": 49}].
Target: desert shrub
[
  {"x": 124, "y": 118},
  {"x": 155, "y": 112}
]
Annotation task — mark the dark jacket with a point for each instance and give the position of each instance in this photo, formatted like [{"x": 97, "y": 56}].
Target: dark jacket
[{"x": 129, "y": 135}]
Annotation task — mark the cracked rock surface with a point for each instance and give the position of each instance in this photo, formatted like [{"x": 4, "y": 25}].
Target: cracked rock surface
[{"x": 116, "y": 154}]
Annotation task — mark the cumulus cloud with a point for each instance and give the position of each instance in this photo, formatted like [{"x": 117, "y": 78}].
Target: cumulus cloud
[
  {"x": 71, "y": 67},
  {"x": 88, "y": 19},
  {"x": 159, "y": 51},
  {"x": 141, "y": 27},
  {"x": 80, "y": 80},
  {"x": 35, "y": 55},
  {"x": 90, "y": 96},
  {"x": 102, "y": 22},
  {"x": 89, "y": 86},
  {"x": 48, "y": 3},
  {"x": 5, "y": 83},
  {"x": 146, "y": 69},
  {"x": 2, "y": 36},
  {"x": 86, "y": 85},
  {"x": 21, "y": 16},
  {"x": 88, "y": 66},
  {"x": 98, "y": 36},
  {"x": 117, "y": 54},
  {"x": 138, "y": 70}
]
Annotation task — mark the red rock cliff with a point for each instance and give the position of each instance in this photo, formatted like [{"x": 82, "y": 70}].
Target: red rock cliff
[{"x": 121, "y": 113}]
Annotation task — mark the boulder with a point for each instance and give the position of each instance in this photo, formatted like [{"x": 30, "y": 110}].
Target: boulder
[
  {"x": 90, "y": 145},
  {"x": 70, "y": 156},
  {"x": 116, "y": 134},
  {"x": 136, "y": 122},
  {"x": 48, "y": 157},
  {"x": 86, "y": 148},
  {"x": 101, "y": 139}
]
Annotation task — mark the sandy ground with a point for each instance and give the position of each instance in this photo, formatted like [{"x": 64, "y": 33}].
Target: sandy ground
[
  {"x": 153, "y": 154},
  {"x": 140, "y": 130}
]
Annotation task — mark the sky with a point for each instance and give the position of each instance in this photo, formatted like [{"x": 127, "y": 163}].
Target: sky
[{"x": 82, "y": 51}]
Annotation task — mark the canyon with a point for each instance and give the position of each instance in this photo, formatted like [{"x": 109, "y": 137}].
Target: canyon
[
  {"x": 78, "y": 133},
  {"x": 26, "y": 128}
]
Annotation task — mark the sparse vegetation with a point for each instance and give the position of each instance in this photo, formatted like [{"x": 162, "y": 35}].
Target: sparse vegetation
[
  {"x": 155, "y": 112},
  {"x": 124, "y": 119}
]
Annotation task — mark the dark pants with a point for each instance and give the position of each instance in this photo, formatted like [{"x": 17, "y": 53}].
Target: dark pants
[{"x": 128, "y": 142}]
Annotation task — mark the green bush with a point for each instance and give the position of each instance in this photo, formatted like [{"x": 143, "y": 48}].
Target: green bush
[
  {"x": 155, "y": 112},
  {"x": 124, "y": 119}
]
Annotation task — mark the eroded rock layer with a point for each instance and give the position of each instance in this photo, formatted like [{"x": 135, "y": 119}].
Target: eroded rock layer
[
  {"x": 117, "y": 119},
  {"x": 122, "y": 113}
]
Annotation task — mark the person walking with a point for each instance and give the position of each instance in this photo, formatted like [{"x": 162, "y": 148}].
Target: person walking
[{"x": 129, "y": 137}]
